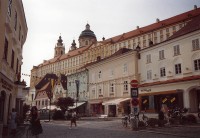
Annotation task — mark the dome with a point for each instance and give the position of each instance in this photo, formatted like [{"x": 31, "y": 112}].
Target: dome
[{"x": 87, "y": 32}]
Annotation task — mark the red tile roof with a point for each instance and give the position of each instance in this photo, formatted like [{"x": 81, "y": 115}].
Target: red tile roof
[
  {"x": 193, "y": 25},
  {"x": 152, "y": 27}
]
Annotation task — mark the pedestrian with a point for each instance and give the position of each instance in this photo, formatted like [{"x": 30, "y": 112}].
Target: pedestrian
[
  {"x": 36, "y": 127},
  {"x": 66, "y": 115},
  {"x": 13, "y": 121},
  {"x": 165, "y": 110},
  {"x": 73, "y": 119}
]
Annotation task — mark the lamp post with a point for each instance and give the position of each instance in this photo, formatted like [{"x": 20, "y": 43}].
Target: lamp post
[
  {"x": 77, "y": 91},
  {"x": 51, "y": 94}
]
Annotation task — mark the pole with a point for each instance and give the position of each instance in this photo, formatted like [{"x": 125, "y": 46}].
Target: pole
[{"x": 50, "y": 107}]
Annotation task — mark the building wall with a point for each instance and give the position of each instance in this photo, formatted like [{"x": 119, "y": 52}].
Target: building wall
[
  {"x": 186, "y": 58},
  {"x": 103, "y": 74},
  {"x": 82, "y": 77},
  {"x": 13, "y": 28}
]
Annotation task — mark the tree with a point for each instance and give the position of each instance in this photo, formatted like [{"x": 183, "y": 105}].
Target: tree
[{"x": 64, "y": 103}]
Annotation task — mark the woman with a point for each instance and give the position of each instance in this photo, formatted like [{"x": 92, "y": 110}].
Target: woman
[
  {"x": 35, "y": 122},
  {"x": 13, "y": 121}
]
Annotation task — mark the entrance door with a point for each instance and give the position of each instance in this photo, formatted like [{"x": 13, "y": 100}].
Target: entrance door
[{"x": 112, "y": 110}]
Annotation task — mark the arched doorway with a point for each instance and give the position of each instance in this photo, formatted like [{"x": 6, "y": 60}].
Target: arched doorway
[
  {"x": 194, "y": 97},
  {"x": 2, "y": 104}
]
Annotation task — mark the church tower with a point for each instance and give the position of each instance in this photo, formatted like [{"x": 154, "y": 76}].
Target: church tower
[
  {"x": 59, "y": 48},
  {"x": 87, "y": 37},
  {"x": 73, "y": 47}
]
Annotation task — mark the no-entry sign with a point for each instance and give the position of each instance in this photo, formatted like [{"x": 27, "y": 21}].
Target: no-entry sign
[{"x": 134, "y": 83}]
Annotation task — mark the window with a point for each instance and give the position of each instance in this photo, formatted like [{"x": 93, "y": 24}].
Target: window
[
  {"x": 100, "y": 91},
  {"x": 125, "y": 85},
  {"x": 15, "y": 27},
  {"x": 195, "y": 44},
  {"x": 99, "y": 74},
  {"x": 17, "y": 66},
  {"x": 111, "y": 87},
  {"x": 12, "y": 59},
  {"x": 162, "y": 72},
  {"x": 125, "y": 69},
  {"x": 161, "y": 54},
  {"x": 9, "y": 7},
  {"x": 6, "y": 49},
  {"x": 176, "y": 50},
  {"x": 149, "y": 58},
  {"x": 86, "y": 42},
  {"x": 178, "y": 68},
  {"x": 149, "y": 75},
  {"x": 197, "y": 64}
]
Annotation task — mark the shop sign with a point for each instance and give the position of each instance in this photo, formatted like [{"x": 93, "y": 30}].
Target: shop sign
[
  {"x": 173, "y": 99},
  {"x": 145, "y": 101},
  {"x": 6, "y": 85},
  {"x": 164, "y": 100}
]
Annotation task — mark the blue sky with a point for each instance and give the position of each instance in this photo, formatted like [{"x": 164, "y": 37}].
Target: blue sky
[{"x": 47, "y": 19}]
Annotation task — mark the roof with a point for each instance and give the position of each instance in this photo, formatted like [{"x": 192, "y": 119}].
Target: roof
[
  {"x": 46, "y": 89},
  {"x": 118, "y": 53},
  {"x": 193, "y": 25},
  {"x": 45, "y": 80},
  {"x": 161, "y": 24}
]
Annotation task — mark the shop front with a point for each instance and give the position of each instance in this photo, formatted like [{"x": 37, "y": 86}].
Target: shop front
[
  {"x": 95, "y": 107},
  {"x": 151, "y": 102},
  {"x": 117, "y": 107}
]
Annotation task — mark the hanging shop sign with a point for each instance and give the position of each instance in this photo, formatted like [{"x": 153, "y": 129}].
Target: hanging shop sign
[{"x": 6, "y": 85}]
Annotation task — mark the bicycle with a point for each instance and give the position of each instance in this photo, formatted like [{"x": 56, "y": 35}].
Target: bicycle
[{"x": 125, "y": 120}]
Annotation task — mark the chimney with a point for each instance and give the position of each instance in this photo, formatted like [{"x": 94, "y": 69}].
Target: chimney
[
  {"x": 138, "y": 27},
  {"x": 157, "y": 20},
  {"x": 195, "y": 7}
]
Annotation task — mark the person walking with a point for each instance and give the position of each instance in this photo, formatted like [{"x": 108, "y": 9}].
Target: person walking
[
  {"x": 13, "y": 121},
  {"x": 165, "y": 110},
  {"x": 73, "y": 119},
  {"x": 36, "y": 127}
]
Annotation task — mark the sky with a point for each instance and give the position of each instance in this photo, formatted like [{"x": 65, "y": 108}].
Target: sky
[{"x": 48, "y": 19}]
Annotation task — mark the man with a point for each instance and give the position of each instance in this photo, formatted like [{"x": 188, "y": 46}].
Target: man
[{"x": 73, "y": 119}]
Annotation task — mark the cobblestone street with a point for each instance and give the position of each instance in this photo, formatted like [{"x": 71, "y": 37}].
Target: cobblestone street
[{"x": 112, "y": 129}]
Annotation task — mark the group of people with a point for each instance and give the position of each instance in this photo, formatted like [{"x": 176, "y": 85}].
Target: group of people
[{"x": 36, "y": 127}]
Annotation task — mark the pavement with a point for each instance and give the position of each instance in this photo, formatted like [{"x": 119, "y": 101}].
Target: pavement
[{"x": 23, "y": 127}]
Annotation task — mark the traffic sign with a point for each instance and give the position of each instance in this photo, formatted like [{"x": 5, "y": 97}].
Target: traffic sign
[
  {"x": 136, "y": 110},
  {"x": 135, "y": 101},
  {"x": 134, "y": 83},
  {"x": 134, "y": 92}
]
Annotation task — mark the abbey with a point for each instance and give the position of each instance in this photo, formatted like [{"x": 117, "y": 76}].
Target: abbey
[{"x": 164, "y": 57}]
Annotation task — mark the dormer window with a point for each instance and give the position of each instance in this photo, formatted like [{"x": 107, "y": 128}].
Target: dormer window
[{"x": 86, "y": 42}]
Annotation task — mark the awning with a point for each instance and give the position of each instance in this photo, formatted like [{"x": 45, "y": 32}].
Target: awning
[
  {"x": 52, "y": 107},
  {"x": 75, "y": 106},
  {"x": 115, "y": 101}
]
